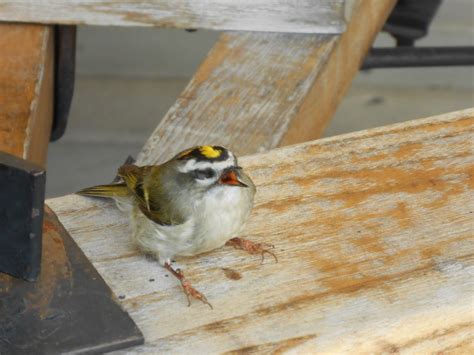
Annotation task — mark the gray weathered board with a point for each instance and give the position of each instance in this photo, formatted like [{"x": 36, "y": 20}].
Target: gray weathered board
[{"x": 302, "y": 16}]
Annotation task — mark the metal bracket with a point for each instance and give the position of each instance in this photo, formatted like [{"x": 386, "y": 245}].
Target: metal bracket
[
  {"x": 69, "y": 310},
  {"x": 22, "y": 186},
  {"x": 64, "y": 75},
  {"x": 408, "y": 22}
]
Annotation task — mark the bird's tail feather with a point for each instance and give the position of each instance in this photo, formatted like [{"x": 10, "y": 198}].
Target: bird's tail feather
[{"x": 112, "y": 190}]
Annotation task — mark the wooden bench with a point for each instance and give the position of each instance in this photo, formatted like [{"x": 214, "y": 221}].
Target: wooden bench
[{"x": 371, "y": 229}]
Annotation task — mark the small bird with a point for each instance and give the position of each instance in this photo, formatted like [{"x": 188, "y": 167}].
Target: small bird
[{"x": 193, "y": 203}]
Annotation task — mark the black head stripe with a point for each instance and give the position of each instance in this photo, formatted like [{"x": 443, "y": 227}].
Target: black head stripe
[{"x": 205, "y": 153}]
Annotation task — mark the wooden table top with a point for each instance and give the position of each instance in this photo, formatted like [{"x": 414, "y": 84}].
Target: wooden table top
[{"x": 373, "y": 232}]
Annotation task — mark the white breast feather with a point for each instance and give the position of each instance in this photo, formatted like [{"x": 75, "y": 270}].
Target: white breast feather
[{"x": 217, "y": 218}]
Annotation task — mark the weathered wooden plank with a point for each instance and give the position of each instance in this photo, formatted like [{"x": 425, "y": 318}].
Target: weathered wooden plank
[
  {"x": 304, "y": 16},
  {"x": 26, "y": 90},
  {"x": 373, "y": 232},
  {"x": 256, "y": 91}
]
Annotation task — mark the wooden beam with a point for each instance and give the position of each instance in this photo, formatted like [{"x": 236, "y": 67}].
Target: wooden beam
[
  {"x": 256, "y": 91},
  {"x": 347, "y": 56},
  {"x": 26, "y": 90},
  {"x": 373, "y": 232},
  {"x": 303, "y": 16}
]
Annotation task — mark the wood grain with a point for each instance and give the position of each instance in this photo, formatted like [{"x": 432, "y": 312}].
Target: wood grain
[
  {"x": 256, "y": 91},
  {"x": 26, "y": 90},
  {"x": 303, "y": 16},
  {"x": 373, "y": 232},
  {"x": 244, "y": 94}
]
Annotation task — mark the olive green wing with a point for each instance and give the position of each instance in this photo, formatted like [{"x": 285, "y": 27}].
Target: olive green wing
[{"x": 150, "y": 197}]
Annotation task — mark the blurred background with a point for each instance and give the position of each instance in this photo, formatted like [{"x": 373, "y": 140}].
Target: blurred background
[{"x": 127, "y": 78}]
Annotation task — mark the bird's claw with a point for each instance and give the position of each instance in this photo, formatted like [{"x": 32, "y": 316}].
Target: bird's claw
[
  {"x": 270, "y": 253},
  {"x": 191, "y": 291},
  {"x": 187, "y": 288},
  {"x": 253, "y": 248}
]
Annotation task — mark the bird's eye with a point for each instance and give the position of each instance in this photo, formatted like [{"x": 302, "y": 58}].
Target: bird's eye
[{"x": 202, "y": 174}]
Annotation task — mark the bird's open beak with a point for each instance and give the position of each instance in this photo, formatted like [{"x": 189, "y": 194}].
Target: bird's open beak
[{"x": 231, "y": 177}]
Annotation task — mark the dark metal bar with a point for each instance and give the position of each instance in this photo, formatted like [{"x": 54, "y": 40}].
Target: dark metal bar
[
  {"x": 400, "y": 57},
  {"x": 65, "y": 62}
]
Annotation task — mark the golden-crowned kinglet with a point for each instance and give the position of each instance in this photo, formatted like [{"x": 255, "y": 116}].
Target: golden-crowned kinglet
[{"x": 195, "y": 202}]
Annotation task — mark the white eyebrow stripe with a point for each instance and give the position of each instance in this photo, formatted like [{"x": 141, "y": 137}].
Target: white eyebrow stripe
[
  {"x": 192, "y": 164},
  {"x": 206, "y": 182}
]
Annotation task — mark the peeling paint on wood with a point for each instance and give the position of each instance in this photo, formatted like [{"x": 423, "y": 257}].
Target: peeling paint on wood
[
  {"x": 303, "y": 16},
  {"x": 373, "y": 232}
]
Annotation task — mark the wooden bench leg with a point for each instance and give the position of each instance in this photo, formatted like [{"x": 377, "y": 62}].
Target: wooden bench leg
[{"x": 26, "y": 90}]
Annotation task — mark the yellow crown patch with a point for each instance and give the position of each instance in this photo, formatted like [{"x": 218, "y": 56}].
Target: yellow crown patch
[
  {"x": 204, "y": 152},
  {"x": 209, "y": 151}
]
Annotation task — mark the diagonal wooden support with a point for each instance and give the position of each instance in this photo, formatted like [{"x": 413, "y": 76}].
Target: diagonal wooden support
[
  {"x": 256, "y": 91},
  {"x": 373, "y": 233}
]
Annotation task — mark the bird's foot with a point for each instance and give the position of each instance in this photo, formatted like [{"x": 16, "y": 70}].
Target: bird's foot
[
  {"x": 252, "y": 248},
  {"x": 188, "y": 289}
]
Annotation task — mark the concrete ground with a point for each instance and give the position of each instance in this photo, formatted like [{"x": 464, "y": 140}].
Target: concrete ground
[{"x": 128, "y": 78}]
